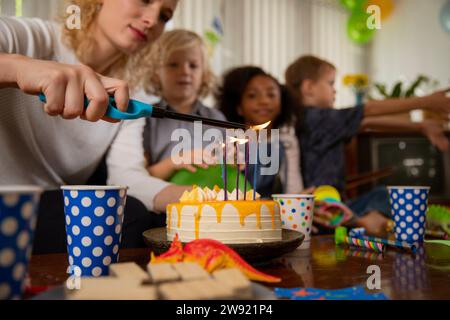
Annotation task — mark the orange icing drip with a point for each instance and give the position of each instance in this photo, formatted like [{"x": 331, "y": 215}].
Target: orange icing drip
[
  {"x": 219, "y": 215},
  {"x": 244, "y": 208},
  {"x": 197, "y": 216},
  {"x": 169, "y": 216},
  {"x": 272, "y": 214}
]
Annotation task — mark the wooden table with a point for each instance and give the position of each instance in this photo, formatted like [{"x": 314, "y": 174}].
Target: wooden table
[{"x": 425, "y": 275}]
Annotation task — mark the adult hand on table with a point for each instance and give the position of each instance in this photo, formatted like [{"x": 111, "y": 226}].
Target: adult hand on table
[{"x": 66, "y": 85}]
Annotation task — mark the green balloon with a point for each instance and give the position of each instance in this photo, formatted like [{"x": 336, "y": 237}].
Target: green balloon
[
  {"x": 357, "y": 27},
  {"x": 209, "y": 178},
  {"x": 353, "y": 4}
]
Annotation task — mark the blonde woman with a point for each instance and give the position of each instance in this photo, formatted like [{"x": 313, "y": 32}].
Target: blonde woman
[
  {"x": 41, "y": 56},
  {"x": 178, "y": 71}
]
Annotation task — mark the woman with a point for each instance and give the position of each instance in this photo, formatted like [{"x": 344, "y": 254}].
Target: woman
[{"x": 36, "y": 56}]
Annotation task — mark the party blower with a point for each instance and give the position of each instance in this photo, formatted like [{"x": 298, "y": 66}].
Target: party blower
[{"x": 137, "y": 109}]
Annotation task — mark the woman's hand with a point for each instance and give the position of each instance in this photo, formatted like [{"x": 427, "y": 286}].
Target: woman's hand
[{"x": 66, "y": 85}]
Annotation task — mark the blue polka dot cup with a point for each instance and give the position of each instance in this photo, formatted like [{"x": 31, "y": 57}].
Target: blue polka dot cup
[
  {"x": 296, "y": 212},
  {"x": 94, "y": 219},
  {"x": 18, "y": 216},
  {"x": 409, "y": 206}
]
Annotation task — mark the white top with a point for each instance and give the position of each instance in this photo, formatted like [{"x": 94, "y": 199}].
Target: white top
[
  {"x": 127, "y": 164},
  {"x": 290, "y": 171},
  {"x": 49, "y": 151}
]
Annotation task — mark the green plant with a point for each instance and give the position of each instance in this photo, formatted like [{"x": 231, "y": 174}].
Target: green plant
[{"x": 398, "y": 91}]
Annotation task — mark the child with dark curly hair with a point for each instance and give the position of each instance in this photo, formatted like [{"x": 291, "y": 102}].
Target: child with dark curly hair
[{"x": 252, "y": 96}]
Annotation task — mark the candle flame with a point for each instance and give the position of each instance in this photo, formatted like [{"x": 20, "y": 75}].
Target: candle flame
[
  {"x": 239, "y": 141},
  {"x": 261, "y": 126}
]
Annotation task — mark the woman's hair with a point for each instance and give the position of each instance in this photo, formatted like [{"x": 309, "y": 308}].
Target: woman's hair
[
  {"x": 160, "y": 52},
  {"x": 79, "y": 39},
  {"x": 305, "y": 68},
  {"x": 230, "y": 94},
  {"x": 82, "y": 41}
]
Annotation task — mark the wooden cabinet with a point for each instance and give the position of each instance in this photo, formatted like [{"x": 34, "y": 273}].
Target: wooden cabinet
[{"x": 397, "y": 158}]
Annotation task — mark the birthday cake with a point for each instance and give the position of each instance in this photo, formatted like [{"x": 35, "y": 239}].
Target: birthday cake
[{"x": 228, "y": 218}]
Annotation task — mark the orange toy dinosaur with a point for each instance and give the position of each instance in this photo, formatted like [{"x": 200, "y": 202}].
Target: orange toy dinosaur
[{"x": 212, "y": 255}]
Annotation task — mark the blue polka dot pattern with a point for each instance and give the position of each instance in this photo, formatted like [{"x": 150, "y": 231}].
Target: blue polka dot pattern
[
  {"x": 410, "y": 271},
  {"x": 94, "y": 220},
  {"x": 409, "y": 207},
  {"x": 17, "y": 223}
]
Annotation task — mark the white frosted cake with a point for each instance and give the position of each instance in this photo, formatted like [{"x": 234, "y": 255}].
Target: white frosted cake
[{"x": 203, "y": 213}]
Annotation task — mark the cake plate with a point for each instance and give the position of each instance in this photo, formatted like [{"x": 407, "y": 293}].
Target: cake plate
[{"x": 157, "y": 240}]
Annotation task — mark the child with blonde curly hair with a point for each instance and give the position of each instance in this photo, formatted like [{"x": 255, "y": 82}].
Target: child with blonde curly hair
[{"x": 181, "y": 75}]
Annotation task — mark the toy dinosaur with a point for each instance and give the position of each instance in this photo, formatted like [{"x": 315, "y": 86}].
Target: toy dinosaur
[
  {"x": 438, "y": 219},
  {"x": 212, "y": 255}
]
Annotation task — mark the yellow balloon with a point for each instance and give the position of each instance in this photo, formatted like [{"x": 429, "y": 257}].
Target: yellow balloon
[
  {"x": 386, "y": 7},
  {"x": 327, "y": 193}
]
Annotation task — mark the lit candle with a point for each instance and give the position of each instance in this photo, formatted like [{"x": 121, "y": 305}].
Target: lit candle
[
  {"x": 245, "y": 170},
  {"x": 225, "y": 176},
  {"x": 222, "y": 164},
  {"x": 255, "y": 168},
  {"x": 237, "y": 169}
]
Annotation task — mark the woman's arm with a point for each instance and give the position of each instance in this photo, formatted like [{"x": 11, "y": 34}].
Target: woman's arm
[
  {"x": 8, "y": 65},
  {"x": 127, "y": 166},
  {"x": 31, "y": 37},
  {"x": 438, "y": 101}
]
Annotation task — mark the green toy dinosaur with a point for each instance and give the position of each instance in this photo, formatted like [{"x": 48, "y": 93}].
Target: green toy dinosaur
[{"x": 438, "y": 218}]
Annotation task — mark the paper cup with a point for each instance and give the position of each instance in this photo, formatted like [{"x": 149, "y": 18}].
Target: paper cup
[
  {"x": 94, "y": 218},
  {"x": 18, "y": 207},
  {"x": 409, "y": 206},
  {"x": 297, "y": 214}
]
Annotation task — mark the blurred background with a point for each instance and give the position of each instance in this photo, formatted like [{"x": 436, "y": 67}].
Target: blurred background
[{"x": 272, "y": 33}]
